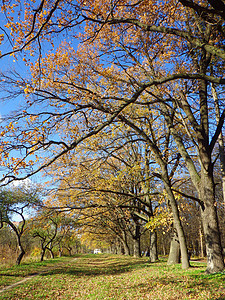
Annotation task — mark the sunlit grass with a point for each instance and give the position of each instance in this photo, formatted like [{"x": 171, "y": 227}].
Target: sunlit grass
[{"x": 111, "y": 277}]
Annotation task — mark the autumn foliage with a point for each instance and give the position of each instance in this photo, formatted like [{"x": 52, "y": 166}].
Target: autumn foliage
[{"x": 121, "y": 103}]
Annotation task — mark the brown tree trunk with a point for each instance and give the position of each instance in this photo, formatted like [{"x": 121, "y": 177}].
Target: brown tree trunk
[
  {"x": 136, "y": 241},
  {"x": 125, "y": 243},
  {"x": 42, "y": 254},
  {"x": 21, "y": 254}
]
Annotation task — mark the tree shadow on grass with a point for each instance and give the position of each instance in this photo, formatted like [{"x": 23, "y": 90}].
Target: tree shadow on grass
[
  {"x": 91, "y": 265},
  {"x": 98, "y": 267},
  {"x": 187, "y": 288}
]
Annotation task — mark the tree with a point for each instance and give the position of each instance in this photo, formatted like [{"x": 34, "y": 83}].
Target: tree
[
  {"x": 15, "y": 202},
  {"x": 67, "y": 236},
  {"x": 45, "y": 228},
  {"x": 55, "y": 230}
]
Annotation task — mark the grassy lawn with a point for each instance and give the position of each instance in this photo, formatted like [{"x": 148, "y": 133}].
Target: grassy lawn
[{"x": 110, "y": 277}]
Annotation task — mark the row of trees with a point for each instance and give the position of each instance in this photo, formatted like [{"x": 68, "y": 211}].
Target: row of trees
[
  {"x": 122, "y": 201},
  {"x": 145, "y": 72}
]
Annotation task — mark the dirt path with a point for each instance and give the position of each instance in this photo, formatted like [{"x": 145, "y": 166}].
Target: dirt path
[
  {"x": 23, "y": 280},
  {"x": 17, "y": 283}
]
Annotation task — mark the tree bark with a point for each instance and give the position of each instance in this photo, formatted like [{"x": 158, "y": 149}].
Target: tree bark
[
  {"x": 179, "y": 228},
  {"x": 42, "y": 254},
  {"x": 125, "y": 243},
  {"x": 153, "y": 246},
  {"x": 21, "y": 254},
  {"x": 51, "y": 253},
  {"x": 215, "y": 262},
  {"x": 174, "y": 255},
  {"x": 126, "y": 248},
  {"x": 136, "y": 241},
  {"x": 137, "y": 248},
  {"x": 202, "y": 252},
  {"x": 220, "y": 140}
]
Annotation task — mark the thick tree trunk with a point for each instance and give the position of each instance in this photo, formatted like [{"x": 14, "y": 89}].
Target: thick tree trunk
[
  {"x": 179, "y": 228},
  {"x": 125, "y": 243},
  {"x": 153, "y": 246},
  {"x": 174, "y": 255},
  {"x": 220, "y": 139},
  {"x": 137, "y": 252},
  {"x": 215, "y": 262}
]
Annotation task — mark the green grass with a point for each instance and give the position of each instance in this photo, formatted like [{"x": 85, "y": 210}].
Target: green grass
[{"x": 110, "y": 277}]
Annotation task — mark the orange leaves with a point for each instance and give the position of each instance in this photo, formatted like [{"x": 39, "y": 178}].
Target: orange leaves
[
  {"x": 1, "y": 38},
  {"x": 28, "y": 89}
]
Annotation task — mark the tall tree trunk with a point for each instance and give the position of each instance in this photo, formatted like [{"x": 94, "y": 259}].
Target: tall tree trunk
[
  {"x": 220, "y": 140},
  {"x": 153, "y": 246},
  {"x": 174, "y": 255},
  {"x": 167, "y": 183},
  {"x": 179, "y": 228},
  {"x": 215, "y": 262},
  {"x": 205, "y": 186},
  {"x": 125, "y": 243}
]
